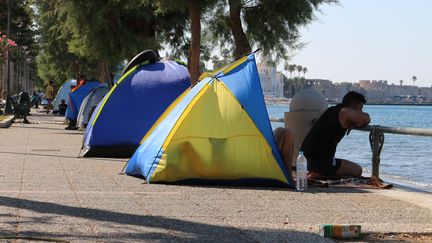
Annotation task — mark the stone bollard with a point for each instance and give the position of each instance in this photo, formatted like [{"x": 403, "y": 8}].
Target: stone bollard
[{"x": 305, "y": 108}]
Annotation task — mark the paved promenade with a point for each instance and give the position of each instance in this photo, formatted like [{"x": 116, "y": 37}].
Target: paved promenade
[{"x": 46, "y": 191}]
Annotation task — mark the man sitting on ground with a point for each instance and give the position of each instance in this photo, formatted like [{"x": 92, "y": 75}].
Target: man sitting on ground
[
  {"x": 62, "y": 108},
  {"x": 320, "y": 143},
  {"x": 285, "y": 143}
]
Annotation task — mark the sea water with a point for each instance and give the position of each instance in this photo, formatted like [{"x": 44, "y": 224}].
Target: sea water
[{"x": 405, "y": 159}]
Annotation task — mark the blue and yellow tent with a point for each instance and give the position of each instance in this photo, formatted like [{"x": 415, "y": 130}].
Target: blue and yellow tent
[
  {"x": 217, "y": 132},
  {"x": 131, "y": 107},
  {"x": 76, "y": 98}
]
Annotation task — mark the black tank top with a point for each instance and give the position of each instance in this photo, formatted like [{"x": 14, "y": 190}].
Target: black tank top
[{"x": 321, "y": 141}]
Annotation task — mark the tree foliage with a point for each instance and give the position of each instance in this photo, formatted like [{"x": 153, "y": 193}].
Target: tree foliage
[
  {"x": 21, "y": 22},
  {"x": 108, "y": 30},
  {"x": 77, "y": 36},
  {"x": 191, "y": 47},
  {"x": 271, "y": 25},
  {"x": 54, "y": 60},
  {"x": 21, "y": 31},
  {"x": 98, "y": 33}
]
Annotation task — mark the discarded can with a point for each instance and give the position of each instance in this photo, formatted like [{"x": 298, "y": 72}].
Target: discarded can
[{"x": 340, "y": 231}]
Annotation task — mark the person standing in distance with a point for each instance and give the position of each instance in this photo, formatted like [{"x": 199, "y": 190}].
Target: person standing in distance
[
  {"x": 320, "y": 143},
  {"x": 49, "y": 95}
]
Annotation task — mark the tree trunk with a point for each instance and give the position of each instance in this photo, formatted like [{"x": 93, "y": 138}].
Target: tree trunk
[
  {"x": 195, "y": 43},
  {"x": 77, "y": 70},
  {"x": 242, "y": 46},
  {"x": 104, "y": 74}
]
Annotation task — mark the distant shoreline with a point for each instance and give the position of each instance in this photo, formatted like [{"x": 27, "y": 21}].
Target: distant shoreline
[
  {"x": 372, "y": 103},
  {"x": 401, "y": 104},
  {"x": 404, "y": 104}
]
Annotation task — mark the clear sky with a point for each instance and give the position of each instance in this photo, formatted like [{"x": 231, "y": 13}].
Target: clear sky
[{"x": 370, "y": 39}]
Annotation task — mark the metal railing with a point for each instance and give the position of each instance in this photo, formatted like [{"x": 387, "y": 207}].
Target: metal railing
[{"x": 376, "y": 138}]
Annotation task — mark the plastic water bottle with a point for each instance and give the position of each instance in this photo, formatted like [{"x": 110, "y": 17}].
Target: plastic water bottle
[{"x": 301, "y": 171}]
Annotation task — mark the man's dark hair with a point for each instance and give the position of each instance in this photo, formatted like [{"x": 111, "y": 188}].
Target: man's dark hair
[{"x": 353, "y": 97}]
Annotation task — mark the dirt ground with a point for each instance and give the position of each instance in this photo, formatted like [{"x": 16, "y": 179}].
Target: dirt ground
[{"x": 397, "y": 237}]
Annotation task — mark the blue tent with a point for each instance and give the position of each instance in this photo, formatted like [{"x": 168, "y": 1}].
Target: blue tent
[
  {"x": 76, "y": 97},
  {"x": 217, "y": 132},
  {"x": 131, "y": 107},
  {"x": 63, "y": 93},
  {"x": 89, "y": 104}
]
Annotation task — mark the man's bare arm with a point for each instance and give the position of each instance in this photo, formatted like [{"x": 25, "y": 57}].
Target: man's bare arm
[{"x": 350, "y": 118}]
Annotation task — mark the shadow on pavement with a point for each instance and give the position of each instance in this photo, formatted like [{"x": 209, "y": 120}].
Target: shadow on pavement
[
  {"x": 33, "y": 154},
  {"x": 61, "y": 156},
  {"x": 45, "y": 128},
  {"x": 270, "y": 188},
  {"x": 173, "y": 229},
  {"x": 71, "y": 133}
]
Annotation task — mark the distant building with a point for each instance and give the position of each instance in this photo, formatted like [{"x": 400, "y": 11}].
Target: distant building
[
  {"x": 318, "y": 82},
  {"x": 271, "y": 80},
  {"x": 325, "y": 86},
  {"x": 373, "y": 84},
  {"x": 279, "y": 85}
]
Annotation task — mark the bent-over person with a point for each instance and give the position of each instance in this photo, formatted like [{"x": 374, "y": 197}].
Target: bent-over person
[{"x": 320, "y": 143}]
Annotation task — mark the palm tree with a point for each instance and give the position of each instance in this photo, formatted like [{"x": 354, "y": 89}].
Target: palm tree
[
  {"x": 305, "y": 70},
  {"x": 286, "y": 67},
  {"x": 414, "y": 78},
  {"x": 302, "y": 82},
  {"x": 291, "y": 69},
  {"x": 299, "y": 69},
  {"x": 401, "y": 82}
]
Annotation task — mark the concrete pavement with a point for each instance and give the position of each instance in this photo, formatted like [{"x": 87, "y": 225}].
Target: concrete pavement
[{"x": 47, "y": 192}]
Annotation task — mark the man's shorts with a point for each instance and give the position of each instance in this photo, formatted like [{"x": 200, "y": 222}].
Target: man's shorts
[{"x": 325, "y": 167}]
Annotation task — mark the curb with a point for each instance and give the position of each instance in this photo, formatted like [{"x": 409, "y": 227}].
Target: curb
[{"x": 6, "y": 123}]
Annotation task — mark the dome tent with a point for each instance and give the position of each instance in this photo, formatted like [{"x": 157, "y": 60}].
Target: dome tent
[
  {"x": 76, "y": 98},
  {"x": 63, "y": 93},
  {"x": 134, "y": 103},
  {"x": 89, "y": 104},
  {"x": 218, "y": 132}
]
